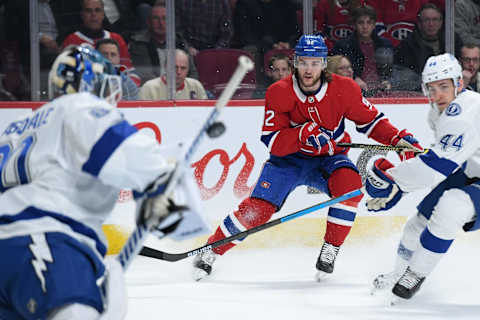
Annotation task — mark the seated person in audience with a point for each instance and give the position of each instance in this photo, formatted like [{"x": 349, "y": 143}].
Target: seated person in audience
[
  {"x": 340, "y": 65},
  {"x": 396, "y": 18},
  {"x": 428, "y": 39},
  {"x": 93, "y": 15},
  {"x": 204, "y": 24},
  {"x": 333, "y": 18},
  {"x": 470, "y": 60},
  {"x": 186, "y": 88},
  {"x": 279, "y": 67},
  {"x": 109, "y": 49},
  {"x": 148, "y": 47},
  {"x": 467, "y": 20},
  {"x": 360, "y": 49}
]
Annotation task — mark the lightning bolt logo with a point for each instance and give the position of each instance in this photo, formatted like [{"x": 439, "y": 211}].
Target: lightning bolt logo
[{"x": 41, "y": 254}]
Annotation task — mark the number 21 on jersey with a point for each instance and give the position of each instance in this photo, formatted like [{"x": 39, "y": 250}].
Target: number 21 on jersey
[{"x": 14, "y": 167}]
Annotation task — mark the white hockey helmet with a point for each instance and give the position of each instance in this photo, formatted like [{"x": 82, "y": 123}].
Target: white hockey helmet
[
  {"x": 444, "y": 66},
  {"x": 84, "y": 69}
]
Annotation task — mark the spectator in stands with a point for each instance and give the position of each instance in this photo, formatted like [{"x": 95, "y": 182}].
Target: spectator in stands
[
  {"x": 121, "y": 17},
  {"x": 92, "y": 14},
  {"x": 186, "y": 88},
  {"x": 426, "y": 40},
  {"x": 18, "y": 26},
  {"x": 470, "y": 60},
  {"x": 333, "y": 18},
  {"x": 204, "y": 24},
  {"x": 467, "y": 20},
  {"x": 360, "y": 49},
  {"x": 279, "y": 67},
  {"x": 148, "y": 51},
  {"x": 263, "y": 25},
  {"x": 110, "y": 49},
  {"x": 396, "y": 18},
  {"x": 340, "y": 65}
]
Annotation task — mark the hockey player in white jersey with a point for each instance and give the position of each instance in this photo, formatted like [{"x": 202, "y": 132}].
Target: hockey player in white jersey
[
  {"x": 61, "y": 169},
  {"x": 451, "y": 168}
]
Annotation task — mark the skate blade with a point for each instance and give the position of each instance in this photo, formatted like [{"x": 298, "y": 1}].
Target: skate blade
[
  {"x": 199, "y": 274},
  {"x": 320, "y": 275}
]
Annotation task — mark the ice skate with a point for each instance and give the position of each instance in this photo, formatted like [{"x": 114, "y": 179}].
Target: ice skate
[
  {"x": 202, "y": 264},
  {"x": 385, "y": 281},
  {"x": 326, "y": 260},
  {"x": 408, "y": 284}
]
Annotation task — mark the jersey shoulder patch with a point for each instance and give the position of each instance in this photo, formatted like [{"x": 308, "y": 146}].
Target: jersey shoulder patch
[{"x": 453, "y": 109}]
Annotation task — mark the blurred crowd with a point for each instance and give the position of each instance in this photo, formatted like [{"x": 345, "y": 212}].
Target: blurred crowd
[{"x": 381, "y": 44}]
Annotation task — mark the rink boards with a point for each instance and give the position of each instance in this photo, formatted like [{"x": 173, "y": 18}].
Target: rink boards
[{"x": 226, "y": 168}]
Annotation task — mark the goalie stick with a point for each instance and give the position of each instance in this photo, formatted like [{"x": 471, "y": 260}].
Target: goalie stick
[
  {"x": 172, "y": 257},
  {"x": 135, "y": 242}
]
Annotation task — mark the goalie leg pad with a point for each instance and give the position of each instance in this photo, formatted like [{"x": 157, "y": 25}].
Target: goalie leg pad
[
  {"x": 342, "y": 215},
  {"x": 251, "y": 213}
]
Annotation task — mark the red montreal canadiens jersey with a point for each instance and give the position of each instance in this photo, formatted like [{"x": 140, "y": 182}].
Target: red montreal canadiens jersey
[
  {"x": 287, "y": 108},
  {"x": 78, "y": 38},
  {"x": 397, "y": 16},
  {"x": 334, "y": 22}
]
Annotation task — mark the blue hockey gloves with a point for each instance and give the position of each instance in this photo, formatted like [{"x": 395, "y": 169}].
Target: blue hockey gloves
[{"x": 384, "y": 192}]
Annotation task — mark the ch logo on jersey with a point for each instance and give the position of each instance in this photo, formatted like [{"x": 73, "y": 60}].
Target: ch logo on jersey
[
  {"x": 265, "y": 184},
  {"x": 341, "y": 31},
  {"x": 400, "y": 30},
  {"x": 453, "y": 109}
]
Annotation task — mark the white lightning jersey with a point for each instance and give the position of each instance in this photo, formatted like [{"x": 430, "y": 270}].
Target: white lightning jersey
[
  {"x": 457, "y": 144},
  {"x": 63, "y": 165}
]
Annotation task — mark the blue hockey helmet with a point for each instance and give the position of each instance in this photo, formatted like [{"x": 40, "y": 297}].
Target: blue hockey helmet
[
  {"x": 313, "y": 46},
  {"x": 84, "y": 69}
]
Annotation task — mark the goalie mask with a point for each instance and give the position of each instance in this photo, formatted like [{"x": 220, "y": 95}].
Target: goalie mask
[
  {"x": 444, "y": 66},
  {"x": 84, "y": 69},
  {"x": 312, "y": 46}
]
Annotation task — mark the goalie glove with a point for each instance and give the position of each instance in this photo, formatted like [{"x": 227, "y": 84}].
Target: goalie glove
[
  {"x": 381, "y": 187},
  {"x": 406, "y": 139},
  {"x": 158, "y": 209}
]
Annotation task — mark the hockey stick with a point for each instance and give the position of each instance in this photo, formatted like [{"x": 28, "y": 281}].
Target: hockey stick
[
  {"x": 134, "y": 243},
  {"x": 157, "y": 254},
  {"x": 376, "y": 147}
]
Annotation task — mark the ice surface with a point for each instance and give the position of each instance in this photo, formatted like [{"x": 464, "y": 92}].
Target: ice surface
[{"x": 278, "y": 283}]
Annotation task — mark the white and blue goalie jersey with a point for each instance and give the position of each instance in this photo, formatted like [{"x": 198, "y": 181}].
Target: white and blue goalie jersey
[
  {"x": 457, "y": 145},
  {"x": 63, "y": 165}
]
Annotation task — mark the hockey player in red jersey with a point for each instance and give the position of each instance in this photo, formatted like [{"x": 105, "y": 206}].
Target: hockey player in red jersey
[{"x": 304, "y": 120}]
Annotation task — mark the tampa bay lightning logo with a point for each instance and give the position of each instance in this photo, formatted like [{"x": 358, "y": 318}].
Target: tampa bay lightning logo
[{"x": 453, "y": 109}]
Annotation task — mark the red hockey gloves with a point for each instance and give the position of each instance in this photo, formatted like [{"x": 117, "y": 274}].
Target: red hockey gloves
[
  {"x": 406, "y": 139},
  {"x": 311, "y": 134},
  {"x": 384, "y": 192}
]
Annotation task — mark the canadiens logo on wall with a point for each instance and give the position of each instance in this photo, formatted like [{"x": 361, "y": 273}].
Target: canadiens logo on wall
[{"x": 265, "y": 184}]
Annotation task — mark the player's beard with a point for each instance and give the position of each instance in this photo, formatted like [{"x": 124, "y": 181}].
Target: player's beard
[{"x": 313, "y": 83}]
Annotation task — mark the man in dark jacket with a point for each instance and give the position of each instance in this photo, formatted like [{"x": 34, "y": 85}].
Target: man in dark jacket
[
  {"x": 428, "y": 39},
  {"x": 148, "y": 48},
  {"x": 360, "y": 48}
]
